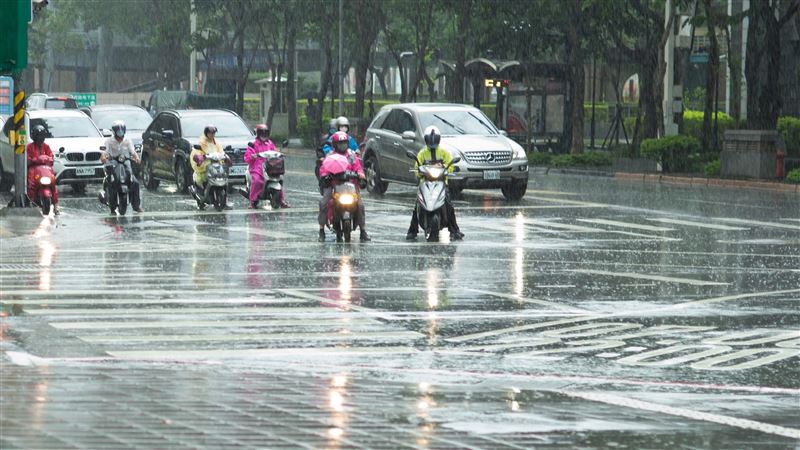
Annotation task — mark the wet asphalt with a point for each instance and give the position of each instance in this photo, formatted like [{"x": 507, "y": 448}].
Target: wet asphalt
[{"x": 594, "y": 313}]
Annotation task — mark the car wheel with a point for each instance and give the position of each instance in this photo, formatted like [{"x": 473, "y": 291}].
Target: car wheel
[
  {"x": 372, "y": 170},
  {"x": 79, "y": 188},
  {"x": 182, "y": 180},
  {"x": 6, "y": 180},
  {"x": 514, "y": 191},
  {"x": 150, "y": 181}
]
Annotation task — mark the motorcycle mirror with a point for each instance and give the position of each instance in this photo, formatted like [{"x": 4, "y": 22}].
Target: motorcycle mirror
[
  {"x": 455, "y": 160},
  {"x": 61, "y": 150},
  {"x": 196, "y": 147},
  {"x": 228, "y": 148},
  {"x": 250, "y": 144},
  {"x": 285, "y": 143},
  {"x": 106, "y": 132},
  {"x": 103, "y": 147},
  {"x": 411, "y": 154}
]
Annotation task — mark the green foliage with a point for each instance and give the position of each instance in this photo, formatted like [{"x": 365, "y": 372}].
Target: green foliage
[
  {"x": 252, "y": 110},
  {"x": 587, "y": 159},
  {"x": 675, "y": 153},
  {"x": 789, "y": 127},
  {"x": 693, "y": 124},
  {"x": 712, "y": 169},
  {"x": 539, "y": 158},
  {"x": 793, "y": 176}
]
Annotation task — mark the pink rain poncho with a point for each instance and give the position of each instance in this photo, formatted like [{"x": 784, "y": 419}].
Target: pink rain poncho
[
  {"x": 255, "y": 164},
  {"x": 336, "y": 163}
]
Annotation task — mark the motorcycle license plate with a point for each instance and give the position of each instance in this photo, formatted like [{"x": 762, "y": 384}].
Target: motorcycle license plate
[
  {"x": 238, "y": 170},
  {"x": 491, "y": 174},
  {"x": 84, "y": 171}
]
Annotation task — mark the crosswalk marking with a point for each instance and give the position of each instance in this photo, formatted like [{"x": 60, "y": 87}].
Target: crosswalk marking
[
  {"x": 641, "y": 276},
  {"x": 260, "y": 353},
  {"x": 236, "y": 337},
  {"x": 697, "y": 224},
  {"x": 625, "y": 225},
  {"x": 759, "y": 223},
  {"x": 255, "y": 311},
  {"x": 130, "y": 325}
]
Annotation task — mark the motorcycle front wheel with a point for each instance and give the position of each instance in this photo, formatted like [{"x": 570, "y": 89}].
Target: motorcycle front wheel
[
  {"x": 46, "y": 202},
  {"x": 433, "y": 227},
  {"x": 122, "y": 204},
  {"x": 219, "y": 198},
  {"x": 274, "y": 198},
  {"x": 347, "y": 229}
]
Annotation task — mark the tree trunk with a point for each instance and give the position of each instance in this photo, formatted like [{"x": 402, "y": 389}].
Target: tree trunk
[
  {"x": 291, "y": 75},
  {"x": 577, "y": 75},
  {"x": 240, "y": 75},
  {"x": 762, "y": 67},
  {"x": 457, "y": 89},
  {"x": 712, "y": 76}
]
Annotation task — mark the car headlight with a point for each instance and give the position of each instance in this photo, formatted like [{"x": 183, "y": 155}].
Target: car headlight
[{"x": 519, "y": 152}]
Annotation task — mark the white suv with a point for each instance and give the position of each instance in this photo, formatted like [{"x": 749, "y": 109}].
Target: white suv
[{"x": 76, "y": 143}]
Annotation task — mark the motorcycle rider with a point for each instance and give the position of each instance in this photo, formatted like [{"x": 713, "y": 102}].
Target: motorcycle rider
[
  {"x": 432, "y": 152},
  {"x": 38, "y": 153},
  {"x": 343, "y": 125},
  {"x": 262, "y": 143},
  {"x": 118, "y": 145},
  {"x": 342, "y": 155},
  {"x": 208, "y": 145}
]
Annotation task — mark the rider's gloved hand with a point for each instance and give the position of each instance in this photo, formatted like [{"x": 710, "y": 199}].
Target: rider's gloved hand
[{"x": 198, "y": 159}]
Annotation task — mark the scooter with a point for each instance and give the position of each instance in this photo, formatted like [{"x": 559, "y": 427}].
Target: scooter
[
  {"x": 118, "y": 184},
  {"x": 272, "y": 171},
  {"x": 431, "y": 197},
  {"x": 216, "y": 188},
  {"x": 45, "y": 180},
  {"x": 343, "y": 206}
]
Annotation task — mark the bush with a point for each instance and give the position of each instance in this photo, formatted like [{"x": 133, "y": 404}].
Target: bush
[
  {"x": 563, "y": 161},
  {"x": 712, "y": 169},
  {"x": 539, "y": 158},
  {"x": 789, "y": 127},
  {"x": 587, "y": 159},
  {"x": 793, "y": 176},
  {"x": 693, "y": 125},
  {"x": 252, "y": 110},
  {"x": 675, "y": 153}
]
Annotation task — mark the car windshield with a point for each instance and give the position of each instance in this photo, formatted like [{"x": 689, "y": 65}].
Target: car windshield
[
  {"x": 59, "y": 103},
  {"x": 67, "y": 127},
  {"x": 135, "y": 119},
  {"x": 457, "y": 122},
  {"x": 227, "y": 126}
]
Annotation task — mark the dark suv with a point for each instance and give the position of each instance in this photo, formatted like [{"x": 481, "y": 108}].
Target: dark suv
[{"x": 167, "y": 144}]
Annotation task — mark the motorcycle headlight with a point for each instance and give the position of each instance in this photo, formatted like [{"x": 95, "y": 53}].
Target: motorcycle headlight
[
  {"x": 346, "y": 199},
  {"x": 45, "y": 180},
  {"x": 435, "y": 172}
]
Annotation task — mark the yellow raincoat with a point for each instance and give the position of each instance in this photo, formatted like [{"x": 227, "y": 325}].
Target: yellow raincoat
[{"x": 206, "y": 146}]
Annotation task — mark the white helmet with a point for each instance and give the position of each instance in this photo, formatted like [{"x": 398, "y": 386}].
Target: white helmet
[
  {"x": 118, "y": 127},
  {"x": 342, "y": 121},
  {"x": 432, "y": 137}
]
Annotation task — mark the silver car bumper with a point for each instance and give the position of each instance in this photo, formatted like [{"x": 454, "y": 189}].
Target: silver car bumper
[{"x": 471, "y": 176}]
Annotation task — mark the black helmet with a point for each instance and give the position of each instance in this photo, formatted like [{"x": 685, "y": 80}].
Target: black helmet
[
  {"x": 118, "y": 127},
  {"x": 38, "y": 133},
  {"x": 209, "y": 129},
  {"x": 432, "y": 137}
]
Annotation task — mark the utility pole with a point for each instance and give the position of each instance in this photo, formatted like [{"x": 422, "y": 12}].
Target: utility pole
[
  {"x": 193, "y": 54},
  {"x": 340, "y": 77}
]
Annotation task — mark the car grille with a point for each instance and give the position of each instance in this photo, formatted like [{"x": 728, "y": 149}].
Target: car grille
[
  {"x": 488, "y": 157},
  {"x": 93, "y": 156},
  {"x": 75, "y": 157},
  {"x": 237, "y": 155}
]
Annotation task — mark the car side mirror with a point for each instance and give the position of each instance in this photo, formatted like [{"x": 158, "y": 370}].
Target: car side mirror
[
  {"x": 196, "y": 147},
  {"x": 411, "y": 155},
  {"x": 106, "y": 132},
  {"x": 409, "y": 135},
  {"x": 504, "y": 133},
  {"x": 168, "y": 134},
  {"x": 103, "y": 147}
]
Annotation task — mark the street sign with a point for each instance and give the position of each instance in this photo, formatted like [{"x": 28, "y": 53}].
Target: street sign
[
  {"x": 14, "y": 20},
  {"x": 84, "y": 99},
  {"x": 6, "y": 96},
  {"x": 698, "y": 58}
]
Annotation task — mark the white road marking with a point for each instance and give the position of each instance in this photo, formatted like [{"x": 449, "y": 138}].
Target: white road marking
[
  {"x": 759, "y": 223},
  {"x": 271, "y": 233},
  {"x": 255, "y": 311},
  {"x": 348, "y": 305},
  {"x": 726, "y": 298},
  {"x": 568, "y": 202},
  {"x": 626, "y": 225},
  {"x": 517, "y": 298},
  {"x": 157, "y": 302},
  {"x": 259, "y": 353},
  {"x": 746, "y": 424},
  {"x": 562, "y": 226},
  {"x": 696, "y": 224},
  {"x": 305, "y": 337},
  {"x": 640, "y": 276},
  {"x": 127, "y": 325}
]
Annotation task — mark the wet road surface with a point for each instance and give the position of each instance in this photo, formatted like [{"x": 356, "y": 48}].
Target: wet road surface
[{"x": 594, "y": 313}]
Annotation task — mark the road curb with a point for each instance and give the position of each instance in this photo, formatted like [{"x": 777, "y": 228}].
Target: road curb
[{"x": 678, "y": 180}]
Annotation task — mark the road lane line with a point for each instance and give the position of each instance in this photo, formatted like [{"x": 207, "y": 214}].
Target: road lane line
[
  {"x": 258, "y": 353},
  {"x": 335, "y": 336},
  {"x": 535, "y": 301},
  {"x": 256, "y": 311},
  {"x": 746, "y": 424},
  {"x": 726, "y": 298},
  {"x": 640, "y": 276},
  {"x": 759, "y": 223},
  {"x": 164, "y": 301},
  {"x": 696, "y": 224},
  {"x": 344, "y": 304},
  {"x": 615, "y": 223},
  {"x": 103, "y": 325},
  {"x": 533, "y": 326}
]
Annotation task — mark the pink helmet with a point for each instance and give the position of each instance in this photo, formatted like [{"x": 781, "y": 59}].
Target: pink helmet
[{"x": 340, "y": 141}]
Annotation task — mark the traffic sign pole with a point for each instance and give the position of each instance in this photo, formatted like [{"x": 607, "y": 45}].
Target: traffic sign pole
[{"x": 19, "y": 141}]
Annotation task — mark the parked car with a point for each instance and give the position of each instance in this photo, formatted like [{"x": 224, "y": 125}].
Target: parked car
[
  {"x": 489, "y": 159},
  {"x": 136, "y": 121},
  {"x": 39, "y": 100},
  {"x": 167, "y": 144},
  {"x": 164, "y": 100},
  {"x": 76, "y": 143}
]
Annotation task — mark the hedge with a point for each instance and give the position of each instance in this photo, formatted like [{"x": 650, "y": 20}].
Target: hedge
[
  {"x": 793, "y": 176},
  {"x": 587, "y": 159},
  {"x": 712, "y": 169},
  {"x": 789, "y": 127},
  {"x": 675, "y": 153},
  {"x": 693, "y": 125}
]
